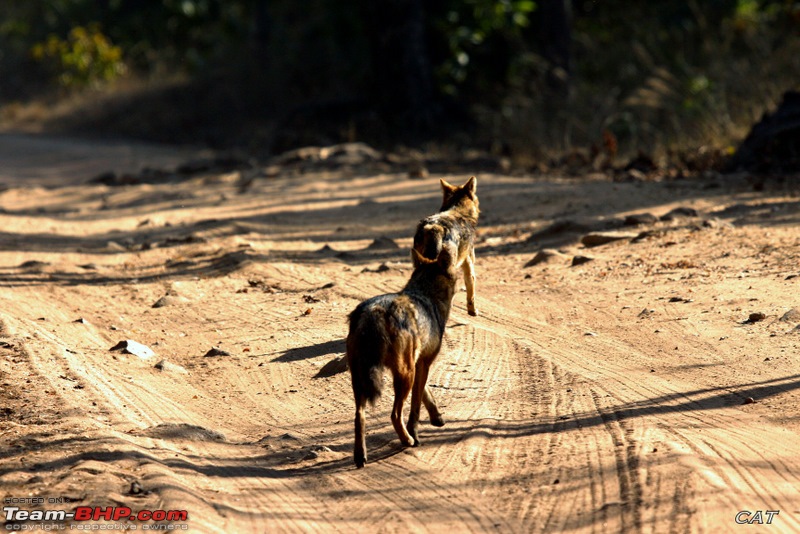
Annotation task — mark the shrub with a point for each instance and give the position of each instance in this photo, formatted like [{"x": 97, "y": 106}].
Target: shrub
[{"x": 85, "y": 58}]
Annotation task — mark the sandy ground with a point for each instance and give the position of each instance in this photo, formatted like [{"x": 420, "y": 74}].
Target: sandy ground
[{"x": 630, "y": 393}]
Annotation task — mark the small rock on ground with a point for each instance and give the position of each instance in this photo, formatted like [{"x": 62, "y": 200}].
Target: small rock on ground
[
  {"x": 169, "y": 367},
  {"x": 639, "y": 219},
  {"x": 546, "y": 255},
  {"x": 170, "y": 300},
  {"x": 683, "y": 212},
  {"x": 595, "y": 239},
  {"x": 130, "y": 346},
  {"x": 215, "y": 351}
]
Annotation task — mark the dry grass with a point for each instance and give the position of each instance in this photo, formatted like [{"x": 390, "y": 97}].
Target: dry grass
[{"x": 657, "y": 92}]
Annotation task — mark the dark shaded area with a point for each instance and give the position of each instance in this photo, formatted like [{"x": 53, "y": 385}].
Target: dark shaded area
[
  {"x": 333, "y": 367},
  {"x": 519, "y": 79},
  {"x": 554, "y": 31},
  {"x": 773, "y": 144},
  {"x": 401, "y": 82}
]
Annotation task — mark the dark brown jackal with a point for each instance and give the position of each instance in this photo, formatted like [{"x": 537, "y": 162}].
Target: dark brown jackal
[
  {"x": 401, "y": 332},
  {"x": 455, "y": 224}
]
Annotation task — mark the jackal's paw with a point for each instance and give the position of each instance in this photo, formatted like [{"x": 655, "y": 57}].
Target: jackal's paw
[
  {"x": 472, "y": 311},
  {"x": 360, "y": 460},
  {"x": 436, "y": 420},
  {"x": 411, "y": 442}
]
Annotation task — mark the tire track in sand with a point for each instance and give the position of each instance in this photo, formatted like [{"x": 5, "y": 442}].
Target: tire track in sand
[{"x": 630, "y": 416}]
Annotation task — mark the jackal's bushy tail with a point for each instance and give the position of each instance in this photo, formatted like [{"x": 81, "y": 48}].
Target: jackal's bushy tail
[
  {"x": 428, "y": 240},
  {"x": 366, "y": 344}
]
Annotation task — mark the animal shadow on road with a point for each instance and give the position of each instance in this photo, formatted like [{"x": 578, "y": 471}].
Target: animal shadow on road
[{"x": 311, "y": 351}]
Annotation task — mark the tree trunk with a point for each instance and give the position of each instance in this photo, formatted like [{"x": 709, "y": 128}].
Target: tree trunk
[
  {"x": 555, "y": 39},
  {"x": 401, "y": 79}
]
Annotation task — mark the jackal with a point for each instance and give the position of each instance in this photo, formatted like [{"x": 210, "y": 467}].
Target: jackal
[
  {"x": 402, "y": 332},
  {"x": 455, "y": 223}
]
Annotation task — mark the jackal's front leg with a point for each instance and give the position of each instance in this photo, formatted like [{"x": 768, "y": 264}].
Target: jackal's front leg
[
  {"x": 402, "y": 387},
  {"x": 419, "y": 396},
  {"x": 433, "y": 409}
]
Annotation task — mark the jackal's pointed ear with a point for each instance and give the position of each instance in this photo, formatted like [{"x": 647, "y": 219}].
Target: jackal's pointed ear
[
  {"x": 448, "y": 190},
  {"x": 447, "y": 187},
  {"x": 471, "y": 185}
]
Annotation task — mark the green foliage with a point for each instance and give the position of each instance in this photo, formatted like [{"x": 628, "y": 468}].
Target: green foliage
[
  {"x": 148, "y": 33},
  {"x": 652, "y": 73},
  {"x": 86, "y": 57},
  {"x": 183, "y": 34},
  {"x": 667, "y": 74},
  {"x": 478, "y": 35}
]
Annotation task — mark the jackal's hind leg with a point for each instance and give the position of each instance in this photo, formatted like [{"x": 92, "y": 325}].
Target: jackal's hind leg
[
  {"x": 422, "y": 395},
  {"x": 469, "y": 280},
  {"x": 360, "y": 449}
]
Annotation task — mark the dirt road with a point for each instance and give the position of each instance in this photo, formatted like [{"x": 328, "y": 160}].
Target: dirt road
[{"x": 652, "y": 388}]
